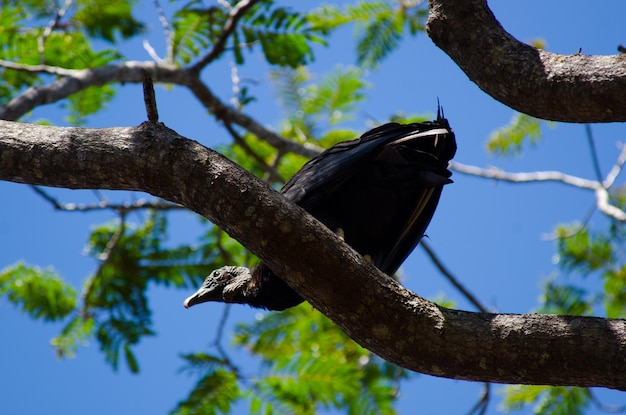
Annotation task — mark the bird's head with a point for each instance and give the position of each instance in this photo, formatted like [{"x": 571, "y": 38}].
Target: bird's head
[
  {"x": 258, "y": 287},
  {"x": 227, "y": 285}
]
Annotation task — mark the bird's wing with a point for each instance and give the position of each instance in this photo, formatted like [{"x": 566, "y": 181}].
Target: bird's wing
[
  {"x": 322, "y": 174},
  {"x": 432, "y": 144},
  {"x": 431, "y": 182}
]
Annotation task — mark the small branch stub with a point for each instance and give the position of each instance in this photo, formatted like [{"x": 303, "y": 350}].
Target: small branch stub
[{"x": 149, "y": 99}]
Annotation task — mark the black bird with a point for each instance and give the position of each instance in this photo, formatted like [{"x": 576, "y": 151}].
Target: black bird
[{"x": 379, "y": 192}]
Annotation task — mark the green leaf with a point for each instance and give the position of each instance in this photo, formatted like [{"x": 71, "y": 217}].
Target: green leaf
[
  {"x": 215, "y": 393},
  {"x": 86, "y": 102},
  {"x": 547, "y": 400},
  {"x": 583, "y": 252},
  {"x": 41, "y": 293},
  {"x": 311, "y": 364},
  {"x": 508, "y": 140},
  {"x": 285, "y": 37},
  {"x": 75, "y": 333},
  {"x": 565, "y": 299},
  {"x": 615, "y": 291},
  {"x": 195, "y": 28},
  {"x": 105, "y": 19},
  {"x": 119, "y": 334},
  {"x": 379, "y": 25},
  {"x": 312, "y": 107}
]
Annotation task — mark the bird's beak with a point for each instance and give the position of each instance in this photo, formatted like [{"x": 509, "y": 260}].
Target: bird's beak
[
  {"x": 216, "y": 285},
  {"x": 211, "y": 290},
  {"x": 203, "y": 295}
]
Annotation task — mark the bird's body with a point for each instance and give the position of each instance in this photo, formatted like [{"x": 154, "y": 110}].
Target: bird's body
[{"x": 378, "y": 191}]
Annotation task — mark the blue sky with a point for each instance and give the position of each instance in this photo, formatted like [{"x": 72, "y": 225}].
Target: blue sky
[{"x": 491, "y": 235}]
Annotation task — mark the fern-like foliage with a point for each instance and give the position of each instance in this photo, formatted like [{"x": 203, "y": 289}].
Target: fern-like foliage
[
  {"x": 41, "y": 293},
  {"x": 310, "y": 364},
  {"x": 548, "y": 400},
  {"x": 105, "y": 19},
  {"x": 312, "y": 108},
  {"x": 508, "y": 140},
  {"x": 195, "y": 29},
  {"x": 115, "y": 309},
  {"x": 380, "y": 25},
  {"x": 65, "y": 47},
  {"x": 284, "y": 36}
]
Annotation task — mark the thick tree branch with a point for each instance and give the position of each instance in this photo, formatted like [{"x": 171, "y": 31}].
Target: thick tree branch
[
  {"x": 371, "y": 307},
  {"x": 74, "y": 81},
  {"x": 571, "y": 88}
]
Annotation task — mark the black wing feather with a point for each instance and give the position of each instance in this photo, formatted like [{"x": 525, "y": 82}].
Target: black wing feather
[{"x": 382, "y": 189}]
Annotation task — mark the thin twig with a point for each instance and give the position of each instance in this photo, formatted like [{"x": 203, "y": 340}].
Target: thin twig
[
  {"x": 225, "y": 112},
  {"x": 125, "y": 207},
  {"x": 151, "y": 51},
  {"x": 453, "y": 280},
  {"x": 594, "y": 153},
  {"x": 614, "y": 409},
  {"x": 149, "y": 99},
  {"x": 219, "y": 334},
  {"x": 54, "y": 22},
  {"x": 234, "y": 15},
  {"x": 481, "y": 406},
  {"x": 104, "y": 256},
  {"x": 234, "y": 77},
  {"x": 616, "y": 169},
  {"x": 167, "y": 32}
]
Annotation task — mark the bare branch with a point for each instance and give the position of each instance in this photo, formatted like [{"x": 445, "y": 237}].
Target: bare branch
[
  {"x": 616, "y": 169},
  {"x": 536, "y": 176},
  {"x": 105, "y": 256},
  {"x": 77, "y": 80},
  {"x": 483, "y": 402},
  {"x": 571, "y": 88},
  {"x": 612, "y": 409},
  {"x": 451, "y": 278},
  {"x": 371, "y": 307},
  {"x": 125, "y": 207},
  {"x": 226, "y": 112},
  {"x": 605, "y": 206},
  {"x": 54, "y": 22},
  {"x": 53, "y": 70},
  {"x": 167, "y": 32},
  {"x": 273, "y": 174},
  {"x": 594, "y": 152},
  {"x": 601, "y": 192}
]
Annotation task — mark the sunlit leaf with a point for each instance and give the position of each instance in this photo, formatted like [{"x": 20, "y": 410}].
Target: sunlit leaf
[
  {"x": 40, "y": 293},
  {"x": 508, "y": 140}
]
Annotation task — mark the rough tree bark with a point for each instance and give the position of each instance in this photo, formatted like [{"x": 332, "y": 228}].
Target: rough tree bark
[
  {"x": 570, "y": 88},
  {"x": 372, "y": 308}
]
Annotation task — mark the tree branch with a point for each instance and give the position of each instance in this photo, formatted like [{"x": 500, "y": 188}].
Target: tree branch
[
  {"x": 570, "y": 88},
  {"x": 125, "y": 207},
  {"x": 451, "y": 278},
  {"x": 371, "y": 307},
  {"x": 74, "y": 81},
  {"x": 227, "y": 112},
  {"x": 600, "y": 189}
]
